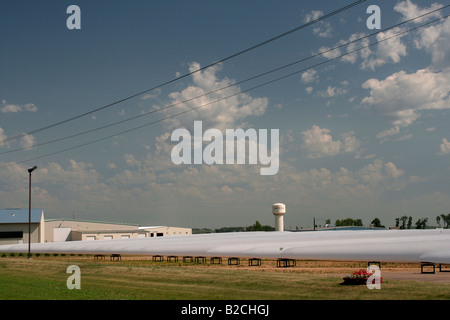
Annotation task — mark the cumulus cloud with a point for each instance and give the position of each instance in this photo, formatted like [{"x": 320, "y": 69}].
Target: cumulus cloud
[
  {"x": 353, "y": 56},
  {"x": 230, "y": 110},
  {"x": 13, "y": 108},
  {"x": 378, "y": 173},
  {"x": 3, "y": 136},
  {"x": 383, "y": 135},
  {"x": 332, "y": 92},
  {"x": 402, "y": 96},
  {"x": 445, "y": 147},
  {"x": 309, "y": 76},
  {"x": 27, "y": 141},
  {"x": 410, "y": 10},
  {"x": 389, "y": 50},
  {"x": 322, "y": 29},
  {"x": 318, "y": 142},
  {"x": 435, "y": 40}
]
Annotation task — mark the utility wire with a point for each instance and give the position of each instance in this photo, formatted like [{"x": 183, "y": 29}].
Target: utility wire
[
  {"x": 226, "y": 87},
  {"x": 255, "y": 87},
  {"x": 187, "y": 74}
]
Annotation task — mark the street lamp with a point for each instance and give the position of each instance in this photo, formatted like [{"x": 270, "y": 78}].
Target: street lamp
[{"x": 29, "y": 212}]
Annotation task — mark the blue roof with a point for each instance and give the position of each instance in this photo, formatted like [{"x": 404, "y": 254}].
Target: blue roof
[{"x": 20, "y": 215}]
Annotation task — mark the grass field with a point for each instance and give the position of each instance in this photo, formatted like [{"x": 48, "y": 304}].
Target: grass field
[{"x": 140, "y": 278}]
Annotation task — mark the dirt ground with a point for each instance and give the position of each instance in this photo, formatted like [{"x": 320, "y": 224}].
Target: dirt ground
[
  {"x": 416, "y": 275},
  {"x": 389, "y": 271}
]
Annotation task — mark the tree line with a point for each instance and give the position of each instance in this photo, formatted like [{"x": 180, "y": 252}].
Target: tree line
[
  {"x": 257, "y": 226},
  {"x": 403, "y": 222}
]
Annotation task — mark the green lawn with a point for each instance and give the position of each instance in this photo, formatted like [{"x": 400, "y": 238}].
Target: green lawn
[{"x": 44, "y": 278}]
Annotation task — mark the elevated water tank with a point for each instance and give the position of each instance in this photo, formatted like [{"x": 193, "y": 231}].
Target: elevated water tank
[{"x": 278, "y": 210}]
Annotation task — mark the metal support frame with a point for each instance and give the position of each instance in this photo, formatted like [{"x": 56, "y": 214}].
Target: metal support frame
[
  {"x": 254, "y": 262},
  {"x": 441, "y": 270},
  {"x": 286, "y": 263},
  {"x": 427, "y": 264},
  {"x": 200, "y": 259},
  {"x": 115, "y": 257},
  {"x": 234, "y": 261},
  {"x": 216, "y": 260}
]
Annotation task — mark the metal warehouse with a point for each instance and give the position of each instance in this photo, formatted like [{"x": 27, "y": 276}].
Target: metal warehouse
[{"x": 14, "y": 224}]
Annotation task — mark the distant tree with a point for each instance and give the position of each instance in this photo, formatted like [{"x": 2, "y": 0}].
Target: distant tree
[
  {"x": 409, "y": 223},
  {"x": 445, "y": 219},
  {"x": 421, "y": 223},
  {"x": 377, "y": 223},
  {"x": 403, "y": 220},
  {"x": 438, "y": 220},
  {"x": 230, "y": 229},
  {"x": 348, "y": 222},
  {"x": 259, "y": 227}
]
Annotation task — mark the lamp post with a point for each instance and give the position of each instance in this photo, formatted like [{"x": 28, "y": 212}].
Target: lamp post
[{"x": 29, "y": 212}]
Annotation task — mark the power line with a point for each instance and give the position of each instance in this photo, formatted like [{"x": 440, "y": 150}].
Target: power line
[
  {"x": 228, "y": 86},
  {"x": 255, "y": 87},
  {"x": 188, "y": 74}
]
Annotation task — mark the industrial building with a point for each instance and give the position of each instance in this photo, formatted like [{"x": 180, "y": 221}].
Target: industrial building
[
  {"x": 14, "y": 229},
  {"x": 15, "y": 223},
  {"x": 76, "y": 230}
]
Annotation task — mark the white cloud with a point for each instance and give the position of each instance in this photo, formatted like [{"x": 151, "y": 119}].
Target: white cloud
[
  {"x": 153, "y": 94},
  {"x": 379, "y": 173},
  {"x": 445, "y": 147},
  {"x": 329, "y": 54},
  {"x": 322, "y": 29},
  {"x": 225, "y": 113},
  {"x": 388, "y": 51},
  {"x": 313, "y": 15},
  {"x": 401, "y": 96},
  {"x": 363, "y": 53},
  {"x": 332, "y": 92},
  {"x": 13, "y": 108},
  {"x": 111, "y": 165},
  {"x": 3, "y": 136},
  {"x": 131, "y": 161},
  {"x": 383, "y": 135},
  {"x": 435, "y": 39},
  {"x": 27, "y": 141},
  {"x": 309, "y": 76},
  {"x": 318, "y": 143},
  {"x": 410, "y": 10}
]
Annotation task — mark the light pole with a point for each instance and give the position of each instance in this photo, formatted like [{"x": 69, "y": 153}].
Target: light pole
[{"x": 29, "y": 212}]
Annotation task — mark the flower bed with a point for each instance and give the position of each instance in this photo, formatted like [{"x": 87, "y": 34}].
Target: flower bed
[{"x": 359, "y": 277}]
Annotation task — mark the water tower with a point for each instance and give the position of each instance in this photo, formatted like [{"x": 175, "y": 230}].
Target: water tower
[{"x": 278, "y": 210}]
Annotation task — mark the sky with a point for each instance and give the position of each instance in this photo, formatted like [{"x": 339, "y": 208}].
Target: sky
[{"x": 362, "y": 134}]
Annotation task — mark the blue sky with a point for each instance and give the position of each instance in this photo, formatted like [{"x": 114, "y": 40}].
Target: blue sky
[{"x": 364, "y": 136}]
